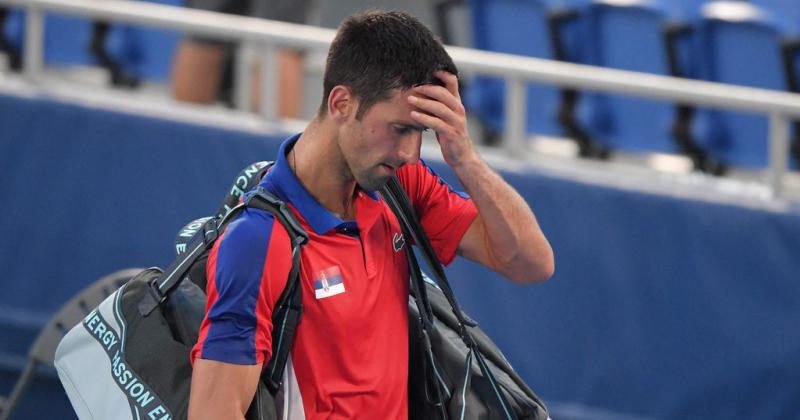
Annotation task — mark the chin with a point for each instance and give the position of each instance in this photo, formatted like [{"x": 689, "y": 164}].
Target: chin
[{"x": 373, "y": 183}]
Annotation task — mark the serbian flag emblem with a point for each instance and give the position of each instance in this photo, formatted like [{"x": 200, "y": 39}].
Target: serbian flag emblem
[{"x": 328, "y": 282}]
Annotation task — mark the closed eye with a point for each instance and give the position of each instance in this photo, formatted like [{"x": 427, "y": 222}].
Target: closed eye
[{"x": 403, "y": 129}]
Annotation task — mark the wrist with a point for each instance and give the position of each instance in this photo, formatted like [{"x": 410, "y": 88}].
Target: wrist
[{"x": 467, "y": 162}]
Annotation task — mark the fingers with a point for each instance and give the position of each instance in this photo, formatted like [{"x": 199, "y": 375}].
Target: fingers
[
  {"x": 447, "y": 95},
  {"x": 441, "y": 95},
  {"x": 434, "y": 108},
  {"x": 450, "y": 82},
  {"x": 434, "y": 123},
  {"x": 439, "y": 108}
]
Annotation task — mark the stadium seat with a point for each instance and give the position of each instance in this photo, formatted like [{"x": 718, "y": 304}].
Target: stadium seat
[
  {"x": 74, "y": 41},
  {"x": 145, "y": 52},
  {"x": 12, "y": 32},
  {"x": 644, "y": 36},
  {"x": 787, "y": 10},
  {"x": 629, "y": 36},
  {"x": 7, "y": 47},
  {"x": 521, "y": 27},
  {"x": 42, "y": 352},
  {"x": 789, "y": 13},
  {"x": 67, "y": 39},
  {"x": 740, "y": 43}
]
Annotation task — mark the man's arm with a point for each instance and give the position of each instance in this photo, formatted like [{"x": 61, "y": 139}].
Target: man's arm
[
  {"x": 512, "y": 242},
  {"x": 246, "y": 270},
  {"x": 505, "y": 236},
  {"x": 222, "y": 390}
]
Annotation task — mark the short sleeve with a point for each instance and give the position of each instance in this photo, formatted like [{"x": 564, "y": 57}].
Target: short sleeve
[
  {"x": 445, "y": 213},
  {"x": 246, "y": 270}
]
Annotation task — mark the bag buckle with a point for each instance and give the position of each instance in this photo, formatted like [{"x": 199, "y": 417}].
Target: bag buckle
[
  {"x": 151, "y": 299},
  {"x": 210, "y": 231}
]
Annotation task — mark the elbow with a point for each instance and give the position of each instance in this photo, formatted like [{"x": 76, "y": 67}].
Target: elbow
[
  {"x": 549, "y": 268},
  {"x": 536, "y": 274},
  {"x": 533, "y": 269}
]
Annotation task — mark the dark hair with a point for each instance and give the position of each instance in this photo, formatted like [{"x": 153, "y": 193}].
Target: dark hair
[{"x": 376, "y": 52}]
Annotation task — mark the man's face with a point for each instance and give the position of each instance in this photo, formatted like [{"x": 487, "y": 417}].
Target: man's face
[{"x": 385, "y": 139}]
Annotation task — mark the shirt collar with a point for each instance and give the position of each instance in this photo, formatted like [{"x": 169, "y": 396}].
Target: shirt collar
[{"x": 282, "y": 181}]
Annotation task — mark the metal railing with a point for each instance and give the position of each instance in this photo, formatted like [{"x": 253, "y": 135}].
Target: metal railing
[{"x": 261, "y": 38}]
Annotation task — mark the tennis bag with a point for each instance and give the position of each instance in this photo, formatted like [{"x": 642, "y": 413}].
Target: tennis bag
[
  {"x": 455, "y": 370},
  {"x": 129, "y": 358}
]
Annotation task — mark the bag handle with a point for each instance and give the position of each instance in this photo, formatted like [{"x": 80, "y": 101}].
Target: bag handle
[{"x": 211, "y": 229}]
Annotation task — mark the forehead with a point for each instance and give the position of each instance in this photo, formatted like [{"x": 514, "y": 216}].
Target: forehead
[{"x": 395, "y": 106}]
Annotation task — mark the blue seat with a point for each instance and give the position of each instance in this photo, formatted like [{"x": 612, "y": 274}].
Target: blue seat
[
  {"x": 143, "y": 52},
  {"x": 740, "y": 44},
  {"x": 786, "y": 10},
  {"x": 66, "y": 38},
  {"x": 789, "y": 13},
  {"x": 631, "y": 35},
  {"x": 13, "y": 28},
  {"x": 516, "y": 27}
]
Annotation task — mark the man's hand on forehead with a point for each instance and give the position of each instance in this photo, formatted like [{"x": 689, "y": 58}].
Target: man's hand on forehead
[{"x": 440, "y": 109}]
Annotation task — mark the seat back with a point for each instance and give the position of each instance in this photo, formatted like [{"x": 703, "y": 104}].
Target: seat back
[
  {"x": 71, "y": 313},
  {"x": 787, "y": 11},
  {"x": 515, "y": 27},
  {"x": 739, "y": 44},
  {"x": 628, "y": 36},
  {"x": 43, "y": 350},
  {"x": 66, "y": 38},
  {"x": 632, "y": 35},
  {"x": 143, "y": 52}
]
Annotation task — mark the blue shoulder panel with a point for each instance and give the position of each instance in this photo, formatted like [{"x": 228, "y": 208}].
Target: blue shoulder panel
[{"x": 240, "y": 264}]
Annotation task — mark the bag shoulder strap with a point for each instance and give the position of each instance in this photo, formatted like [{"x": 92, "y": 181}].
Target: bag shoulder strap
[
  {"x": 288, "y": 309},
  {"x": 399, "y": 202}
]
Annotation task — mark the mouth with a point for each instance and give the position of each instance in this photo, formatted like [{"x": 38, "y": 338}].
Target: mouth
[{"x": 389, "y": 168}]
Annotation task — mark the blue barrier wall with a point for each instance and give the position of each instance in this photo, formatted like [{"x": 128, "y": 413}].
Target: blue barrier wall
[{"x": 660, "y": 307}]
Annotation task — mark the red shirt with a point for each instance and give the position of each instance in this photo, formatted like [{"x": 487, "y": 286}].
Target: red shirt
[{"x": 350, "y": 355}]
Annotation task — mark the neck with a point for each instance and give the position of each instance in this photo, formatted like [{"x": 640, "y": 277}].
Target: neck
[{"x": 318, "y": 163}]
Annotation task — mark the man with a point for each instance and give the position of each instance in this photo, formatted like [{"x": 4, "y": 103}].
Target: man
[{"x": 387, "y": 80}]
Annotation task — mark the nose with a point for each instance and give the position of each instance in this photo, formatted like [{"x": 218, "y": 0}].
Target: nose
[{"x": 408, "y": 150}]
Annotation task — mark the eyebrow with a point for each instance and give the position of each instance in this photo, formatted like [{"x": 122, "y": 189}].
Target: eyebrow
[{"x": 416, "y": 127}]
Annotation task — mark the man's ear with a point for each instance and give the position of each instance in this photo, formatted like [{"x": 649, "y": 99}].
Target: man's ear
[{"x": 341, "y": 103}]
